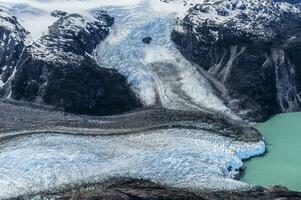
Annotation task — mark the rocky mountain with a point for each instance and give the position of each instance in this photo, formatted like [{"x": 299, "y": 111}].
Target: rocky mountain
[
  {"x": 251, "y": 47},
  {"x": 59, "y": 69},
  {"x": 12, "y": 39},
  {"x": 248, "y": 50}
]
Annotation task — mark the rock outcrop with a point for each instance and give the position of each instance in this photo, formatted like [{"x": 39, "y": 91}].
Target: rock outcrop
[
  {"x": 250, "y": 47},
  {"x": 147, "y": 40},
  {"x": 59, "y": 68}
]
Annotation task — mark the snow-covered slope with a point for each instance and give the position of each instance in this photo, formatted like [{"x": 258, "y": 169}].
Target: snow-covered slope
[
  {"x": 33, "y": 12},
  {"x": 71, "y": 38},
  {"x": 254, "y": 18}
]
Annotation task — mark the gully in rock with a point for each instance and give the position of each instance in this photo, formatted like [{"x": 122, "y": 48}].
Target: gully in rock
[{"x": 253, "y": 56}]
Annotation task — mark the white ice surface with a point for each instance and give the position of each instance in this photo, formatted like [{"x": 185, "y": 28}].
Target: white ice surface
[
  {"x": 176, "y": 157},
  {"x": 157, "y": 72}
]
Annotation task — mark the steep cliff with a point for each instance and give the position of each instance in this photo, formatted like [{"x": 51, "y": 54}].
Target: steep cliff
[
  {"x": 12, "y": 39},
  {"x": 250, "y": 47}
]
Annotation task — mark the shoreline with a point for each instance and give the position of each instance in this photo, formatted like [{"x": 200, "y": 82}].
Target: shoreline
[
  {"x": 280, "y": 163},
  {"x": 144, "y": 189}
]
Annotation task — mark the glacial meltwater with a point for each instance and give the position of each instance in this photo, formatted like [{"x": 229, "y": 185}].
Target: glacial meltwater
[{"x": 282, "y": 163}]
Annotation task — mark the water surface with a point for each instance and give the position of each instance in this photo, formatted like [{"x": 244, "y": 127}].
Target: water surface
[{"x": 282, "y": 163}]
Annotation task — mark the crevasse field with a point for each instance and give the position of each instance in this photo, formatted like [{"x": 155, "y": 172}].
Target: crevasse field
[{"x": 175, "y": 157}]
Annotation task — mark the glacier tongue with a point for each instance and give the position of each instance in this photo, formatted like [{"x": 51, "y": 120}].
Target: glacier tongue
[
  {"x": 176, "y": 157},
  {"x": 158, "y": 73}
]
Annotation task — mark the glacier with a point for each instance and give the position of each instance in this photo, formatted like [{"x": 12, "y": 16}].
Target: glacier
[
  {"x": 158, "y": 73},
  {"x": 176, "y": 157}
]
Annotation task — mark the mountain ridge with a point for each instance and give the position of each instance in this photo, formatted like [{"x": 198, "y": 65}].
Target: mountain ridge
[
  {"x": 58, "y": 69},
  {"x": 247, "y": 46}
]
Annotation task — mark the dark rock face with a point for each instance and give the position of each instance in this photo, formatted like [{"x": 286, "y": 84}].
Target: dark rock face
[
  {"x": 147, "y": 40},
  {"x": 250, "y": 47},
  {"x": 12, "y": 38},
  {"x": 59, "y": 70},
  {"x": 145, "y": 190}
]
